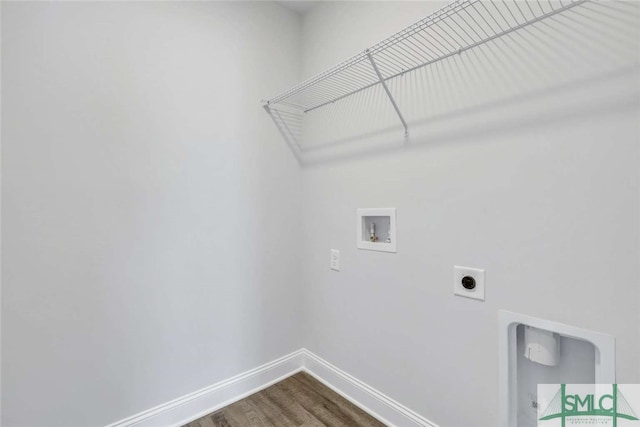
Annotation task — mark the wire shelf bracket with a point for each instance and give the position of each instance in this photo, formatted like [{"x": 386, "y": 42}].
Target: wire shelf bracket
[{"x": 386, "y": 89}]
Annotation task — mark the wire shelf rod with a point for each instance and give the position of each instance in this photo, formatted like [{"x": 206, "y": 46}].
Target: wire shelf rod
[
  {"x": 458, "y": 27},
  {"x": 438, "y": 15},
  {"x": 451, "y": 9},
  {"x": 434, "y": 46},
  {"x": 467, "y": 46},
  {"x": 437, "y": 35},
  {"x": 500, "y": 13}
]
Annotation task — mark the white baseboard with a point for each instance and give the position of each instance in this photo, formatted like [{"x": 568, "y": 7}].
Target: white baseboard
[
  {"x": 194, "y": 405},
  {"x": 369, "y": 399}
]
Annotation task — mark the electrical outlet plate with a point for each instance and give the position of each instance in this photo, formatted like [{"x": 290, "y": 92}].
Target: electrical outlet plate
[
  {"x": 335, "y": 260},
  {"x": 477, "y": 274}
]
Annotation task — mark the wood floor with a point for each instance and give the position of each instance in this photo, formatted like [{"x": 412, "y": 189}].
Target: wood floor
[{"x": 298, "y": 401}]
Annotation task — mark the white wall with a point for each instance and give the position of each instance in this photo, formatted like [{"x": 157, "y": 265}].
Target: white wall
[
  {"x": 129, "y": 127},
  {"x": 540, "y": 187},
  {"x": 150, "y": 210}
]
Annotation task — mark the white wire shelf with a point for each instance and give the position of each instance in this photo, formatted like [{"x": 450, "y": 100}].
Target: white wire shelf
[{"x": 452, "y": 30}]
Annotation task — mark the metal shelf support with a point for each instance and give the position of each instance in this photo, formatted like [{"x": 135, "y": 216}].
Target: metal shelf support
[{"x": 386, "y": 89}]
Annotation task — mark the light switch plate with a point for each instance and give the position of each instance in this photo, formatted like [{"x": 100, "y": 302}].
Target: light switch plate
[
  {"x": 478, "y": 276},
  {"x": 335, "y": 260}
]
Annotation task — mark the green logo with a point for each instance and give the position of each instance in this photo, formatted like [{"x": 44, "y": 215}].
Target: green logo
[{"x": 564, "y": 406}]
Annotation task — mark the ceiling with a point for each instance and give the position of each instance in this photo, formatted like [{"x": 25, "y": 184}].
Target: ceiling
[{"x": 299, "y": 6}]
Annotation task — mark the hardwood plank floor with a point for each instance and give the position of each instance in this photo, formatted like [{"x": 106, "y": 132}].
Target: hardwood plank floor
[{"x": 298, "y": 401}]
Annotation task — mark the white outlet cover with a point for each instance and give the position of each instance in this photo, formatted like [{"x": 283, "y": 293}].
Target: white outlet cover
[
  {"x": 335, "y": 260},
  {"x": 477, "y": 274}
]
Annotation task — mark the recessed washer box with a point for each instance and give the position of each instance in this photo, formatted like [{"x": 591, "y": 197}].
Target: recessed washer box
[
  {"x": 583, "y": 357},
  {"x": 377, "y": 229}
]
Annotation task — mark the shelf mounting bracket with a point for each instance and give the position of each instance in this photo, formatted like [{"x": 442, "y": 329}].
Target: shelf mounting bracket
[
  {"x": 285, "y": 132},
  {"x": 386, "y": 89}
]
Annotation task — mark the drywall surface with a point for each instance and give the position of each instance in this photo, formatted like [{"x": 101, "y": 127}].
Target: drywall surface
[
  {"x": 150, "y": 209},
  {"x": 527, "y": 168}
]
